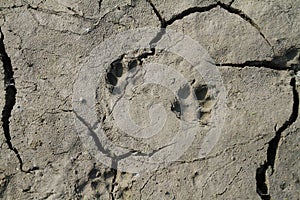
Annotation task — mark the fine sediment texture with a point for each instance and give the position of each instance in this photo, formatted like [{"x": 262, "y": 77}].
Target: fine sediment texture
[{"x": 46, "y": 45}]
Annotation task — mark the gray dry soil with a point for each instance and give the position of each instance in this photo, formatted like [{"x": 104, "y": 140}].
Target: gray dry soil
[{"x": 256, "y": 47}]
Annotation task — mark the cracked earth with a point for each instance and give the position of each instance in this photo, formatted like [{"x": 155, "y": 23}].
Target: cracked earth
[{"x": 254, "y": 44}]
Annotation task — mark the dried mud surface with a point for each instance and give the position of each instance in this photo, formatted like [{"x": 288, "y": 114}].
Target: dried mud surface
[{"x": 255, "y": 46}]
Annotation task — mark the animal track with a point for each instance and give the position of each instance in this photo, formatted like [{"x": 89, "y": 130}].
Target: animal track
[
  {"x": 101, "y": 181},
  {"x": 206, "y": 101},
  {"x": 125, "y": 64},
  {"x": 115, "y": 71}
]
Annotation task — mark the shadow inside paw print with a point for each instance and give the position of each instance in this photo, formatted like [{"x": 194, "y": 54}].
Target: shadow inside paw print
[
  {"x": 111, "y": 79},
  {"x": 206, "y": 101},
  {"x": 201, "y": 92},
  {"x": 132, "y": 64},
  {"x": 115, "y": 71},
  {"x": 175, "y": 108},
  {"x": 116, "y": 68}
]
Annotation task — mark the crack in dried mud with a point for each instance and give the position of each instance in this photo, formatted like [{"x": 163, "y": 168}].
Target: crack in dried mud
[
  {"x": 10, "y": 98},
  {"x": 245, "y": 17},
  {"x": 261, "y": 172},
  {"x": 197, "y": 9},
  {"x": 277, "y": 63}
]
